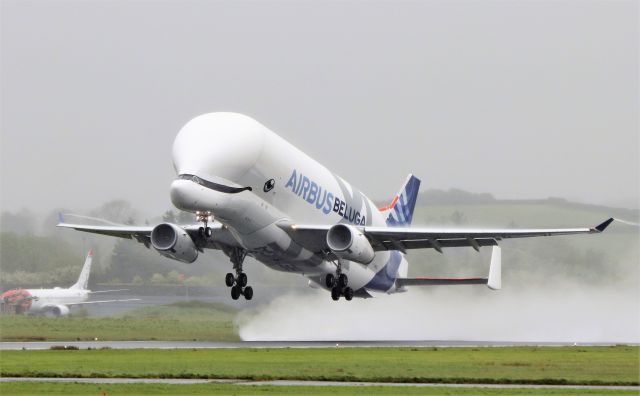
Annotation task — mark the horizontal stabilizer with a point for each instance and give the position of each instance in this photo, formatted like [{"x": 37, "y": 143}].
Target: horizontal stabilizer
[
  {"x": 440, "y": 281},
  {"x": 494, "y": 281}
]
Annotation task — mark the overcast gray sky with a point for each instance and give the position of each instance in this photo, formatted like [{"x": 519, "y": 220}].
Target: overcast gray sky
[{"x": 521, "y": 99}]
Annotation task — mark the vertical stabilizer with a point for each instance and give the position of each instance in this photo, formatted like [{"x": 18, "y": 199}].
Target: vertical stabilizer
[
  {"x": 83, "y": 280},
  {"x": 400, "y": 211}
]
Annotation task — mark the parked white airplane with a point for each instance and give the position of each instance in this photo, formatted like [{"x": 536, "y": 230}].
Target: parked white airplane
[
  {"x": 54, "y": 301},
  {"x": 273, "y": 202}
]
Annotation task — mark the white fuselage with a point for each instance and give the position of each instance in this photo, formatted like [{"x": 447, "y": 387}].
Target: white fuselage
[
  {"x": 38, "y": 301},
  {"x": 43, "y": 298},
  {"x": 287, "y": 186}
]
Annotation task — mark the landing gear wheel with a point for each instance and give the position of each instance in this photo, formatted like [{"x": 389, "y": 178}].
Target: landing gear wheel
[
  {"x": 235, "y": 292},
  {"x": 343, "y": 280},
  {"x": 229, "y": 279},
  {"x": 330, "y": 280},
  {"x": 248, "y": 293},
  {"x": 348, "y": 293},
  {"x": 239, "y": 281},
  {"x": 335, "y": 294},
  {"x": 204, "y": 218}
]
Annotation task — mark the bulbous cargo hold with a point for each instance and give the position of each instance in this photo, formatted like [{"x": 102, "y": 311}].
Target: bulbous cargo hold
[
  {"x": 174, "y": 242},
  {"x": 219, "y": 147},
  {"x": 229, "y": 154}
]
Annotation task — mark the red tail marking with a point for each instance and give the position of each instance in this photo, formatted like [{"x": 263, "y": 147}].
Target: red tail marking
[
  {"x": 393, "y": 203},
  {"x": 448, "y": 279}
]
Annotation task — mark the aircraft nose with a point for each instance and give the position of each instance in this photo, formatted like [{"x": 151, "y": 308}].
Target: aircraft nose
[
  {"x": 182, "y": 194},
  {"x": 187, "y": 194}
]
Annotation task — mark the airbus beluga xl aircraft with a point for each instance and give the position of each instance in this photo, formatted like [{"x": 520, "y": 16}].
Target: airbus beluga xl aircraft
[{"x": 257, "y": 195}]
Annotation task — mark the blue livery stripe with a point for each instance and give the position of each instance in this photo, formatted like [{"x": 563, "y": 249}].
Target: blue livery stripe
[
  {"x": 386, "y": 277},
  {"x": 402, "y": 212}
]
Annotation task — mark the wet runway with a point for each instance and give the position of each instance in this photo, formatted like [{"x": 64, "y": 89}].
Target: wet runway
[
  {"x": 274, "y": 344},
  {"x": 178, "y": 381}
]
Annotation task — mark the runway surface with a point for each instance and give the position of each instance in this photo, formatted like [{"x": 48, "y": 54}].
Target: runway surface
[
  {"x": 6, "y": 346},
  {"x": 304, "y": 383}
]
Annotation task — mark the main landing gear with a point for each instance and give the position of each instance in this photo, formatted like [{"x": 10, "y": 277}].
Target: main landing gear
[
  {"x": 338, "y": 284},
  {"x": 238, "y": 283}
]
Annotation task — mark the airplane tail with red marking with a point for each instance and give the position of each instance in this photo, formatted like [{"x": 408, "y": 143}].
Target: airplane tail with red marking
[{"x": 401, "y": 208}]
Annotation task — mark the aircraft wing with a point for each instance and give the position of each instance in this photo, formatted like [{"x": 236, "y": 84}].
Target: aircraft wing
[
  {"x": 107, "y": 291},
  {"x": 142, "y": 234},
  {"x": 123, "y": 231},
  {"x": 101, "y": 302},
  {"x": 313, "y": 237}
]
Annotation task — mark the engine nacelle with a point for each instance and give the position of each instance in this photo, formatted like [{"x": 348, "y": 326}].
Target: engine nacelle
[
  {"x": 347, "y": 242},
  {"x": 172, "y": 241},
  {"x": 56, "y": 310}
]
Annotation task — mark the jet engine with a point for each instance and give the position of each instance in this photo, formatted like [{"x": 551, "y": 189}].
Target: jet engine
[
  {"x": 172, "y": 241},
  {"x": 56, "y": 310},
  {"x": 349, "y": 243}
]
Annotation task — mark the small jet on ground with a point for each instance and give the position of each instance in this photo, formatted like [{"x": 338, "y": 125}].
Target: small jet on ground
[
  {"x": 257, "y": 195},
  {"x": 56, "y": 301}
]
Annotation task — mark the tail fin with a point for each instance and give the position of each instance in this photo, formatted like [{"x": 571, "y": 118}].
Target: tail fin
[
  {"x": 83, "y": 280},
  {"x": 401, "y": 208}
]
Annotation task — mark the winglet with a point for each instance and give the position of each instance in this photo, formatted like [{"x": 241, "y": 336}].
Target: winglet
[
  {"x": 60, "y": 218},
  {"x": 601, "y": 227},
  {"x": 495, "y": 269}
]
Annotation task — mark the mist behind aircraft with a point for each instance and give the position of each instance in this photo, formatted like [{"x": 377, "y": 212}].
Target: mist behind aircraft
[{"x": 562, "y": 311}]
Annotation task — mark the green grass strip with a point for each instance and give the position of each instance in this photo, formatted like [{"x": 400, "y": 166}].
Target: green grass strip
[
  {"x": 509, "y": 365},
  {"x": 72, "y": 389},
  {"x": 176, "y": 322}
]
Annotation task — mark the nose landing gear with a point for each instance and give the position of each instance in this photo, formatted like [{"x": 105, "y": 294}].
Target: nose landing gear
[
  {"x": 338, "y": 284},
  {"x": 205, "y": 232},
  {"x": 204, "y": 217},
  {"x": 238, "y": 283}
]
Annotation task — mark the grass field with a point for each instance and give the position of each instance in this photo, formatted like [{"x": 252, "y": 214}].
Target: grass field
[
  {"x": 72, "y": 389},
  {"x": 515, "y": 365},
  {"x": 180, "y": 321}
]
